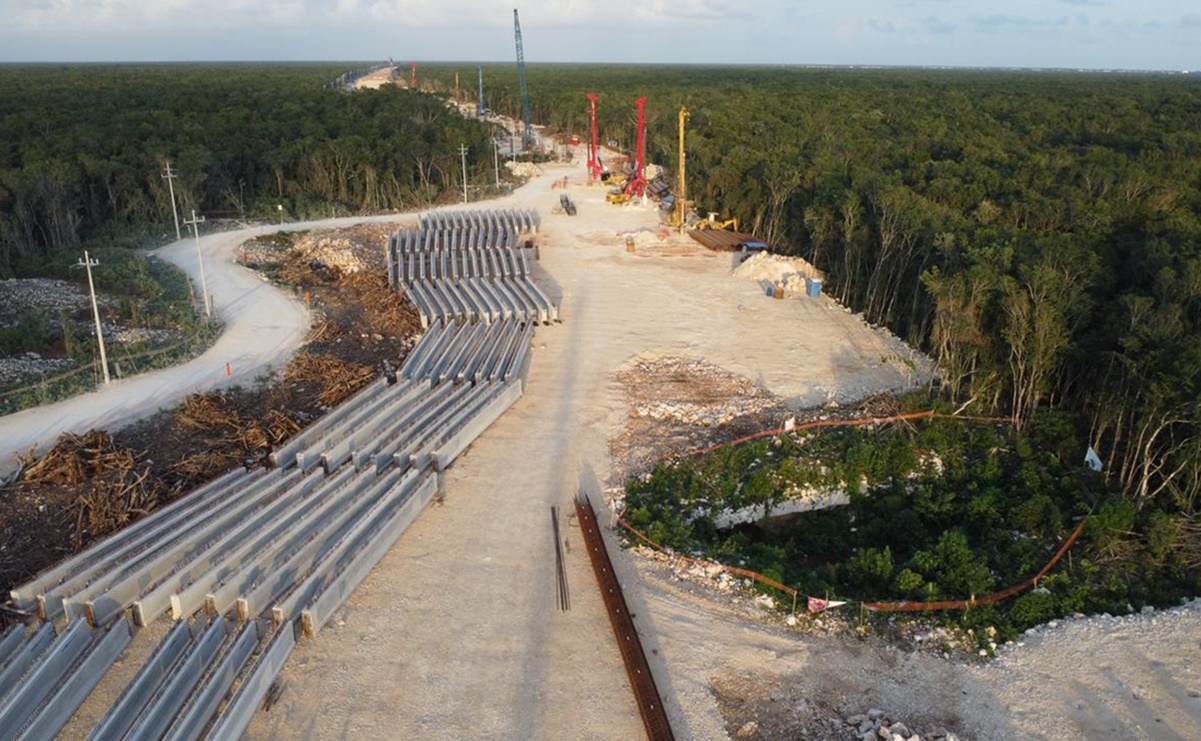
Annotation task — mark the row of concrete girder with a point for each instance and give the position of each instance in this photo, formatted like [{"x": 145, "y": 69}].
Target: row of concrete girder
[{"x": 251, "y": 560}]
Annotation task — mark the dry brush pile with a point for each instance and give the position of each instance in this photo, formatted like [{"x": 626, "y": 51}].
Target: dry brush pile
[{"x": 114, "y": 484}]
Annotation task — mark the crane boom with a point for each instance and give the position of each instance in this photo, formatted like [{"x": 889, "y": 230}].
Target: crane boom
[{"x": 528, "y": 135}]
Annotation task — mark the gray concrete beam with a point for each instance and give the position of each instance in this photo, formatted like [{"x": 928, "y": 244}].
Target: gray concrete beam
[
  {"x": 138, "y": 694},
  {"x": 81, "y": 679},
  {"x": 218, "y": 678},
  {"x": 365, "y": 556},
  {"x": 236, "y": 716}
]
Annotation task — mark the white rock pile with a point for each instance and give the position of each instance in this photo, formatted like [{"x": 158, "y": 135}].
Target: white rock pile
[
  {"x": 337, "y": 254},
  {"x": 52, "y": 296},
  {"x": 523, "y": 169},
  {"x": 879, "y": 725},
  {"x": 31, "y": 368},
  {"x": 789, "y": 273}
]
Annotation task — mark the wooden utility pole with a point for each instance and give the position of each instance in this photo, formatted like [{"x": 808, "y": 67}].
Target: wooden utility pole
[
  {"x": 89, "y": 263},
  {"x": 204, "y": 285},
  {"x": 170, "y": 177}
]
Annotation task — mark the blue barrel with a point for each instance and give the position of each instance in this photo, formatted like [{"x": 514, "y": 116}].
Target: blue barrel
[
  {"x": 771, "y": 291},
  {"x": 815, "y": 287}
]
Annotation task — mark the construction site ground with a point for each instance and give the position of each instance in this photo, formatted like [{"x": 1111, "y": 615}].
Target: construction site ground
[{"x": 456, "y": 634}]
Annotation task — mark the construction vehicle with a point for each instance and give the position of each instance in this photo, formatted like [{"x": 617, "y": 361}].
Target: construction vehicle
[
  {"x": 713, "y": 223},
  {"x": 617, "y": 197}
]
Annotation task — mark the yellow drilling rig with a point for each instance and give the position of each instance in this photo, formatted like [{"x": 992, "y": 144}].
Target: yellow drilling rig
[{"x": 678, "y": 218}]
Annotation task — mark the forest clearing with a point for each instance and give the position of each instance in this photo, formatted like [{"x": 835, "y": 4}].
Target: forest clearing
[{"x": 664, "y": 348}]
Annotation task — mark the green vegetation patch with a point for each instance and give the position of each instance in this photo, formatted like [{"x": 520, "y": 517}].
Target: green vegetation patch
[{"x": 944, "y": 510}]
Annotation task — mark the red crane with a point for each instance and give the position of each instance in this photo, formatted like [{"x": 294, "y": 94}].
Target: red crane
[
  {"x": 637, "y": 186},
  {"x": 413, "y": 80},
  {"x": 594, "y": 165}
]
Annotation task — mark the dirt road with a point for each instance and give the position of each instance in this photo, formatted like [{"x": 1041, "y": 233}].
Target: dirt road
[
  {"x": 455, "y": 635},
  {"x": 263, "y": 327}
]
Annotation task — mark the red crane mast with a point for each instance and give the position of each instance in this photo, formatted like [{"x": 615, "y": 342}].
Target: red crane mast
[
  {"x": 637, "y": 186},
  {"x": 594, "y": 165}
]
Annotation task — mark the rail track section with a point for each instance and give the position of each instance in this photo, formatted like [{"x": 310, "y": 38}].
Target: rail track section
[
  {"x": 255, "y": 560},
  {"x": 469, "y": 266}
]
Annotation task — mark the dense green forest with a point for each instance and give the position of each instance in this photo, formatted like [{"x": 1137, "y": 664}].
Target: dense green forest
[
  {"x": 1038, "y": 233},
  {"x": 82, "y": 149}
]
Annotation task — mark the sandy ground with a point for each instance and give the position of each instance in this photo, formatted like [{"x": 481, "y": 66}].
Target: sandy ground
[
  {"x": 377, "y": 79},
  {"x": 456, "y": 635}
]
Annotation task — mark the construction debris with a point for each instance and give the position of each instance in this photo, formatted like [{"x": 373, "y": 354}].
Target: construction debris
[
  {"x": 337, "y": 379},
  {"x": 119, "y": 487}
]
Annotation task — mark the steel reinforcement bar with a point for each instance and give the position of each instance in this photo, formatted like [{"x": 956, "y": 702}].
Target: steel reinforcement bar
[{"x": 650, "y": 704}]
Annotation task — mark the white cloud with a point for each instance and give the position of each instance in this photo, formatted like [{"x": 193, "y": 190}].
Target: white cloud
[{"x": 1099, "y": 33}]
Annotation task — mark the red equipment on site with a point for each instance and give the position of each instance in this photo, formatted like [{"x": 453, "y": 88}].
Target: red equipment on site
[
  {"x": 637, "y": 186},
  {"x": 594, "y": 165}
]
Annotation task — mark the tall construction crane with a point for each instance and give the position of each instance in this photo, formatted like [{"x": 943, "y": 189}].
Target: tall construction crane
[
  {"x": 528, "y": 135},
  {"x": 637, "y": 186},
  {"x": 595, "y": 170},
  {"x": 678, "y": 220}
]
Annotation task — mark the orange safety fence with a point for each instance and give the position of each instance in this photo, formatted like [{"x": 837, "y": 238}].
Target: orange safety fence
[
  {"x": 839, "y": 423},
  {"x": 1004, "y": 594},
  {"x": 993, "y": 598}
]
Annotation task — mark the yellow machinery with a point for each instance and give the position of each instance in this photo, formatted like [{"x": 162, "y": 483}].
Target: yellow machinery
[
  {"x": 617, "y": 197},
  {"x": 678, "y": 218},
  {"x": 713, "y": 223}
]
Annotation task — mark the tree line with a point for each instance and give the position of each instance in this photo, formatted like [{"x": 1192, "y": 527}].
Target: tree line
[
  {"x": 1037, "y": 233},
  {"x": 82, "y": 149}
]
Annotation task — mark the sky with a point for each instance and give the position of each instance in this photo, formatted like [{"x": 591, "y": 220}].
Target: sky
[{"x": 1091, "y": 34}]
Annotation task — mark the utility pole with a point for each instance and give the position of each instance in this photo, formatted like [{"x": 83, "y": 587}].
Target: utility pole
[
  {"x": 496, "y": 161},
  {"x": 89, "y": 263},
  {"x": 170, "y": 177},
  {"x": 204, "y": 285},
  {"x": 463, "y": 154}
]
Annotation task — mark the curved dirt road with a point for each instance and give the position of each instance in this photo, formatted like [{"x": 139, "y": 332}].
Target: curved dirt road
[{"x": 263, "y": 327}]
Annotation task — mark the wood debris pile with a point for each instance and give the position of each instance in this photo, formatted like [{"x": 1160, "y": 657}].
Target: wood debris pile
[
  {"x": 389, "y": 311},
  {"x": 336, "y": 378},
  {"x": 115, "y": 485},
  {"x": 232, "y": 439}
]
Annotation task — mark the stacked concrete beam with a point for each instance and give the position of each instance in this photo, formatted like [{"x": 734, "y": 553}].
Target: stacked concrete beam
[
  {"x": 469, "y": 266},
  {"x": 290, "y": 544}
]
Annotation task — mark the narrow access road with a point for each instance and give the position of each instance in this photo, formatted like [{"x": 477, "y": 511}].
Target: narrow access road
[{"x": 263, "y": 327}]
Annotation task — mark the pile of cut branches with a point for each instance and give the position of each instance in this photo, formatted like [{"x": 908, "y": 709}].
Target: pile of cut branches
[
  {"x": 232, "y": 439},
  {"x": 336, "y": 379},
  {"x": 387, "y": 310},
  {"x": 115, "y": 486}
]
